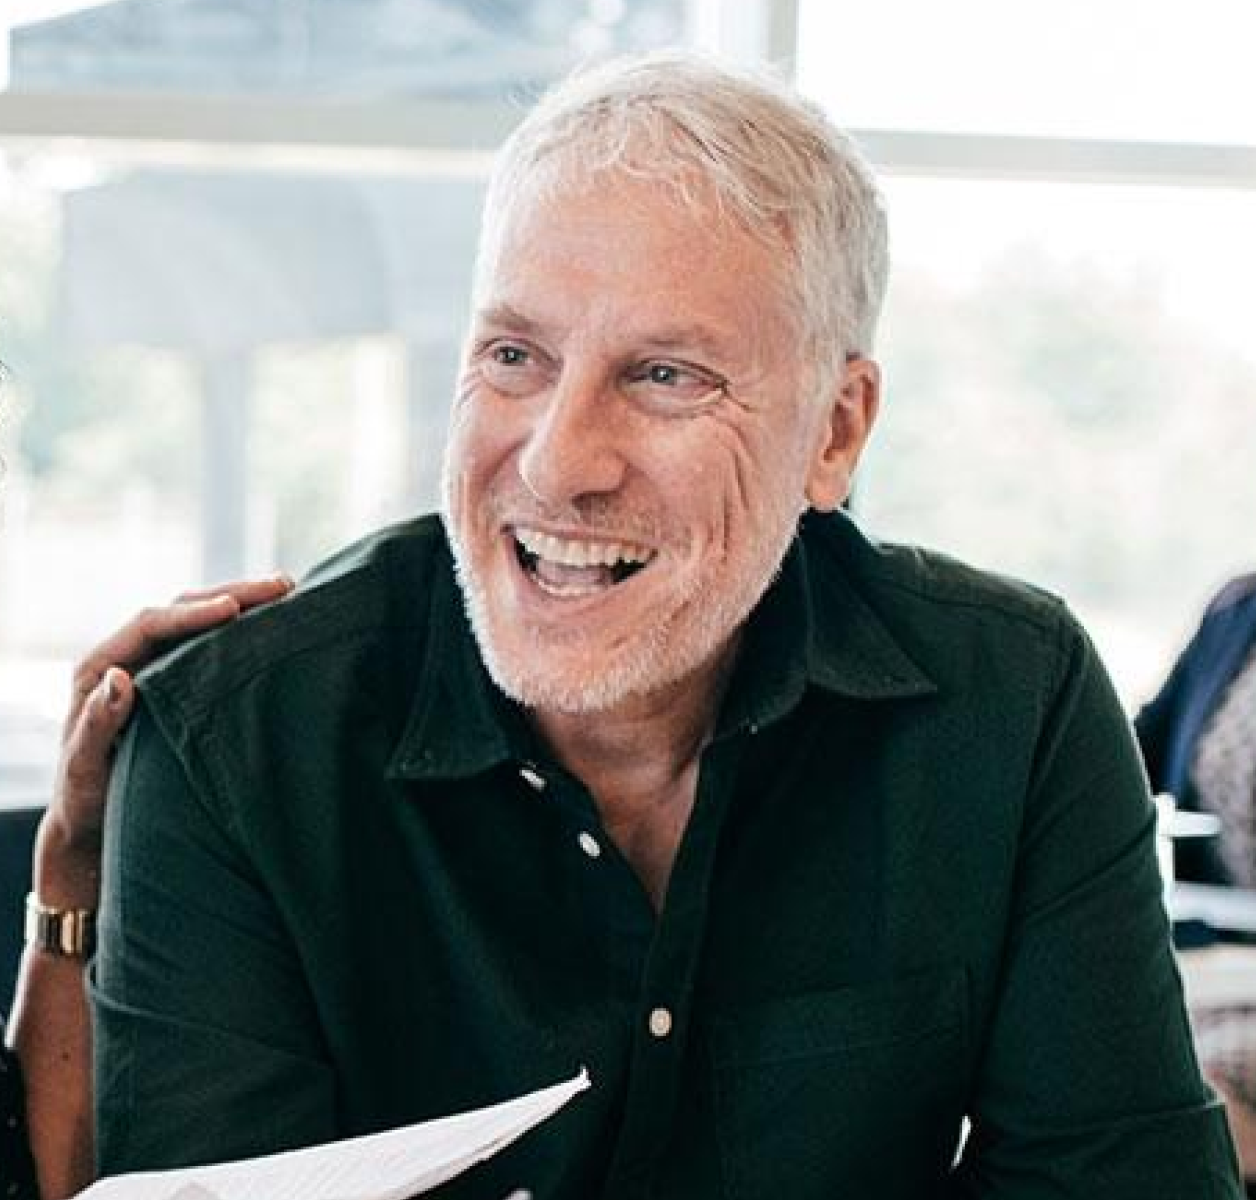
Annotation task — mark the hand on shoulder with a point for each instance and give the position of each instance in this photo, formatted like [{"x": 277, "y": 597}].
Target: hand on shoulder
[{"x": 67, "y": 854}]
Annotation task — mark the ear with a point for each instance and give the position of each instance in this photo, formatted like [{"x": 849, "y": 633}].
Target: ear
[{"x": 843, "y": 433}]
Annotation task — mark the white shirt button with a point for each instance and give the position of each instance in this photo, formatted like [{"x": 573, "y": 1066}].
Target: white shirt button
[
  {"x": 590, "y": 845},
  {"x": 532, "y": 777},
  {"x": 660, "y": 1022}
]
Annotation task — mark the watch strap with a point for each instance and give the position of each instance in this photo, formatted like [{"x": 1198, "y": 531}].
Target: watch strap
[{"x": 66, "y": 932}]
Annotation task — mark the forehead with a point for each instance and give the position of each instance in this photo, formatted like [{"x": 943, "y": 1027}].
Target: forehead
[{"x": 625, "y": 245}]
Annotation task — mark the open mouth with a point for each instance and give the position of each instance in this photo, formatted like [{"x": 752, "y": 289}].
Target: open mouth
[{"x": 571, "y": 567}]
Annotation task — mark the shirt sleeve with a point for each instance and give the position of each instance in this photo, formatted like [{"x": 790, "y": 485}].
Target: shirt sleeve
[
  {"x": 16, "y": 1169},
  {"x": 207, "y": 1047},
  {"x": 1089, "y": 1085}
]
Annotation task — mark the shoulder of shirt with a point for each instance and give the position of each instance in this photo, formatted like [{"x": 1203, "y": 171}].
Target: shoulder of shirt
[
  {"x": 913, "y": 577},
  {"x": 972, "y": 633},
  {"x": 374, "y": 585},
  {"x": 1237, "y": 591}
]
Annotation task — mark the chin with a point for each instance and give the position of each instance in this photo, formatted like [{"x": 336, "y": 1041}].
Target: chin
[
  {"x": 554, "y": 679},
  {"x": 677, "y": 636}
]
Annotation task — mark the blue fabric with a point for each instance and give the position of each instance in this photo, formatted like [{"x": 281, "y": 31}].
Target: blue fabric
[{"x": 1169, "y": 726}]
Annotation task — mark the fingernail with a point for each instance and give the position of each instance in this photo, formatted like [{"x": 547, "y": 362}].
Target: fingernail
[
  {"x": 286, "y": 579},
  {"x": 113, "y": 688}
]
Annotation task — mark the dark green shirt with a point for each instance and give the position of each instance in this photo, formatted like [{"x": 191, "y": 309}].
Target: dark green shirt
[{"x": 347, "y": 889}]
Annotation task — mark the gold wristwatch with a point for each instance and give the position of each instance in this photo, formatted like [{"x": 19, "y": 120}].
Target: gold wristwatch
[{"x": 66, "y": 932}]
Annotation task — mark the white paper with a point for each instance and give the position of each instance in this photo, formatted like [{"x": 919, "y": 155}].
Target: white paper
[{"x": 381, "y": 1166}]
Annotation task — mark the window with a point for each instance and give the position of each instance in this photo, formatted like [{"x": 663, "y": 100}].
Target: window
[
  {"x": 1071, "y": 380},
  {"x": 235, "y": 240}
]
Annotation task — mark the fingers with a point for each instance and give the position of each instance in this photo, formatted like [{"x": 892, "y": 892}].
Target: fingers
[
  {"x": 103, "y": 697},
  {"x": 89, "y": 741},
  {"x": 142, "y": 638},
  {"x": 154, "y": 629},
  {"x": 248, "y": 593},
  {"x": 83, "y": 773}
]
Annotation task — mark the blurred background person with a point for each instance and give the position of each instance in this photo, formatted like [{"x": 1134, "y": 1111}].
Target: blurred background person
[{"x": 1198, "y": 737}]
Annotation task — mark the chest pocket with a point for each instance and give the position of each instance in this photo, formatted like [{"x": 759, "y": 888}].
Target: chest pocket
[{"x": 857, "y": 1092}]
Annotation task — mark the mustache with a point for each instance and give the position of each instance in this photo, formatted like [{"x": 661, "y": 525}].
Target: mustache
[{"x": 597, "y": 516}]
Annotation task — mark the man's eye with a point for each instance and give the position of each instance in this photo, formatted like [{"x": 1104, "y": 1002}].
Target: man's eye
[
  {"x": 675, "y": 385},
  {"x": 509, "y": 356},
  {"x": 668, "y": 375},
  {"x": 512, "y": 368},
  {"x": 661, "y": 373}
]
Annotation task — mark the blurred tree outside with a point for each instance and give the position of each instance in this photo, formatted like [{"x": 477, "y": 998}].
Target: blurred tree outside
[{"x": 1061, "y": 425}]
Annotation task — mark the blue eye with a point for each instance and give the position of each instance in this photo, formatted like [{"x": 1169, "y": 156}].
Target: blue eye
[
  {"x": 512, "y": 368},
  {"x": 660, "y": 373},
  {"x": 675, "y": 386},
  {"x": 510, "y": 356}
]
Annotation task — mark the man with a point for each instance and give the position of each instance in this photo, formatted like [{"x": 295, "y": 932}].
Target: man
[{"x": 808, "y": 848}]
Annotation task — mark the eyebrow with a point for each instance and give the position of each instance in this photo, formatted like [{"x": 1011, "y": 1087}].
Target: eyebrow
[
  {"x": 699, "y": 337},
  {"x": 668, "y": 338},
  {"x": 510, "y": 317}
]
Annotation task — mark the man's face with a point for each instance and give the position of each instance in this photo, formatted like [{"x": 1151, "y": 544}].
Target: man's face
[{"x": 631, "y": 445}]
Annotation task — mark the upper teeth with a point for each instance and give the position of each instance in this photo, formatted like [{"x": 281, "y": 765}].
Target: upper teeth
[{"x": 570, "y": 552}]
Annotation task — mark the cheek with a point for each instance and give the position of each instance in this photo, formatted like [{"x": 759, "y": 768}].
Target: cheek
[
  {"x": 464, "y": 483},
  {"x": 756, "y": 468},
  {"x": 476, "y": 440}
]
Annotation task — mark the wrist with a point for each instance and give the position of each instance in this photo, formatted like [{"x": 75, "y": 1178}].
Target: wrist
[{"x": 65, "y": 871}]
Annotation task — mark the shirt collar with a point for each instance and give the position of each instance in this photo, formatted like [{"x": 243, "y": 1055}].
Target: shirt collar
[
  {"x": 812, "y": 628},
  {"x": 815, "y": 628},
  {"x": 461, "y": 724}
]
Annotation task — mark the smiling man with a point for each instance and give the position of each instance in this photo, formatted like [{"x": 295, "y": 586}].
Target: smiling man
[{"x": 644, "y": 757}]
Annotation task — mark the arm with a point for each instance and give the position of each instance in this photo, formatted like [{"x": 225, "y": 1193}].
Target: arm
[
  {"x": 207, "y": 1043},
  {"x": 50, "y": 1030},
  {"x": 1089, "y": 1084}
]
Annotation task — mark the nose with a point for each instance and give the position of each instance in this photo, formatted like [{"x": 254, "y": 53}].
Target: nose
[{"x": 575, "y": 446}]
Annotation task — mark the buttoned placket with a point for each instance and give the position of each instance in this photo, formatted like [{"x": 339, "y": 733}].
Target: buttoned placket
[
  {"x": 654, "y": 956},
  {"x": 661, "y": 1038}
]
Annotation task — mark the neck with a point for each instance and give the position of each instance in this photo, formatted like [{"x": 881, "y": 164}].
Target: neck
[
  {"x": 640, "y": 762},
  {"x": 639, "y": 749}
]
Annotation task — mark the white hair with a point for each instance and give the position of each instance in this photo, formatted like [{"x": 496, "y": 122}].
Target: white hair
[{"x": 768, "y": 157}]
